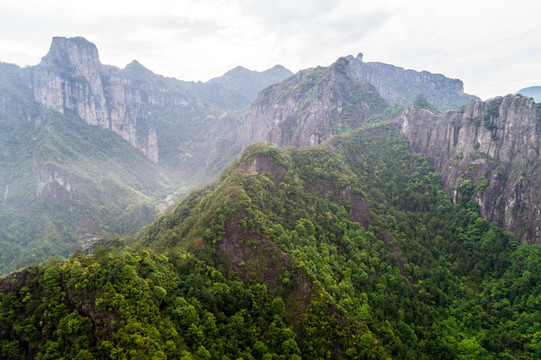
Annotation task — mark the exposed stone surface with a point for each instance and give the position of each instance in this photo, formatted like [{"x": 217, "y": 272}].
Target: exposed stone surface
[
  {"x": 496, "y": 144},
  {"x": 402, "y": 86},
  {"x": 186, "y": 123},
  {"x": 310, "y": 107},
  {"x": 71, "y": 78}
]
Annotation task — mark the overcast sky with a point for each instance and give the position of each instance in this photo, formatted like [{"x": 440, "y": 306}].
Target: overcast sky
[{"x": 493, "y": 46}]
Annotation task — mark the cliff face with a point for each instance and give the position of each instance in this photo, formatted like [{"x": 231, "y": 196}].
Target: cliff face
[
  {"x": 310, "y": 107},
  {"x": 174, "y": 123},
  {"x": 71, "y": 78},
  {"x": 489, "y": 151},
  {"x": 402, "y": 86}
]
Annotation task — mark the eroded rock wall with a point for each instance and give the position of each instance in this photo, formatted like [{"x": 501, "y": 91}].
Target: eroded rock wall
[{"x": 494, "y": 144}]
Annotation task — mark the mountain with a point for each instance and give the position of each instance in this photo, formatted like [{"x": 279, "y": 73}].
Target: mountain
[
  {"x": 65, "y": 182},
  {"x": 487, "y": 151},
  {"x": 249, "y": 83},
  {"x": 398, "y": 85},
  {"x": 343, "y": 245},
  {"x": 343, "y": 250},
  {"x": 532, "y": 91},
  {"x": 89, "y": 149},
  {"x": 168, "y": 120},
  {"x": 311, "y": 107},
  {"x": 318, "y": 103}
]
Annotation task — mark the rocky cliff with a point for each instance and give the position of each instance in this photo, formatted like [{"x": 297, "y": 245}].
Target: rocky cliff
[
  {"x": 489, "y": 151},
  {"x": 173, "y": 122},
  {"x": 310, "y": 107},
  {"x": 71, "y": 78},
  {"x": 399, "y": 85}
]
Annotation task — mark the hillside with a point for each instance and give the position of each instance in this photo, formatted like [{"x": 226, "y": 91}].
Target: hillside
[
  {"x": 342, "y": 250},
  {"x": 371, "y": 233},
  {"x": 64, "y": 182}
]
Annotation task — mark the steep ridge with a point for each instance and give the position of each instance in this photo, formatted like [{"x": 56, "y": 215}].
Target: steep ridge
[
  {"x": 396, "y": 84},
  {"x": 311, "y": 107},
  {"x": 285, "y": 257},
  {"x": 488, "y": 151}
]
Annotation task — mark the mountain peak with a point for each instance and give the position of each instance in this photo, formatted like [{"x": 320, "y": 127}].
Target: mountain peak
[
  {"x": 341, "y": 66},
  {"x": 239, "y": 68},
  {"x": 279, "y": 70},
  {"x": 137, "y": 67},
  {"x": 73, "y": 51}
]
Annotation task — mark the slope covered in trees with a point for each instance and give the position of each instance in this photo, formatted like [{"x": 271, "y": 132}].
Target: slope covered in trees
[{"x": 343, "y": 250}]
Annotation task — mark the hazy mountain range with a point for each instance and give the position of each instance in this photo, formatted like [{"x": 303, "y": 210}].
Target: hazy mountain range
[{"x": 358, "y": 210}]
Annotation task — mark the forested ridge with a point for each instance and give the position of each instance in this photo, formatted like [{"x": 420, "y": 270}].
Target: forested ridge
[{"x": 346, "y": 250}]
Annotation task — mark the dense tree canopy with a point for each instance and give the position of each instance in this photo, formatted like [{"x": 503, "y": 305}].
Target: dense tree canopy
[{"x": 349, "y": 250}]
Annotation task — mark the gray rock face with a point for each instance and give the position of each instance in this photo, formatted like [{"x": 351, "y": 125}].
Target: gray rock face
[
  {"x": 184, "y": 126},
  {"x": 402, "y": 86},
  {"x": 71, "y": 78},
  {"x": 494, "y": 144},
  {"x": 310, "y": 107}
]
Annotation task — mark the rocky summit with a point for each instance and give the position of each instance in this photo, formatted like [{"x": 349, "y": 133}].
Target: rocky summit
[
  {"x": 399, "y": 85},
  {"x": 311, "y": 107}
]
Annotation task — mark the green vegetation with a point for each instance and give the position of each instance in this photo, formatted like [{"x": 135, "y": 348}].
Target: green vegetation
[
  {"x": 421, "y": 102},
  {"x": 343, "y": 251},
  {"x": 64, "y": 182},
  {"x": 492, "y": 113},
  {"x": 331, "y": 93}
]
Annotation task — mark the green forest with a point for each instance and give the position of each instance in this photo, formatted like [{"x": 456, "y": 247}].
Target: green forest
[{"x": 346, "y": 250}]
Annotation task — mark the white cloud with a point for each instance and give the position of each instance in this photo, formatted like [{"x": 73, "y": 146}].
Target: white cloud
[{"x": 492, "y": 46}]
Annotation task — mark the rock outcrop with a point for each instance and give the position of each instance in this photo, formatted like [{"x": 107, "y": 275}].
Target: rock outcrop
[
  {"x": 71, "y": 78},
  {"x": 399, "y": 85},
  {"x": 490, "y": 151},
  {"x": 173, "y": 122},
  {"x": 310, "y": 107}
]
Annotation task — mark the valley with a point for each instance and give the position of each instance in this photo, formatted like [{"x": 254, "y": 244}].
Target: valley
[{"x": 353, "y": 211}]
